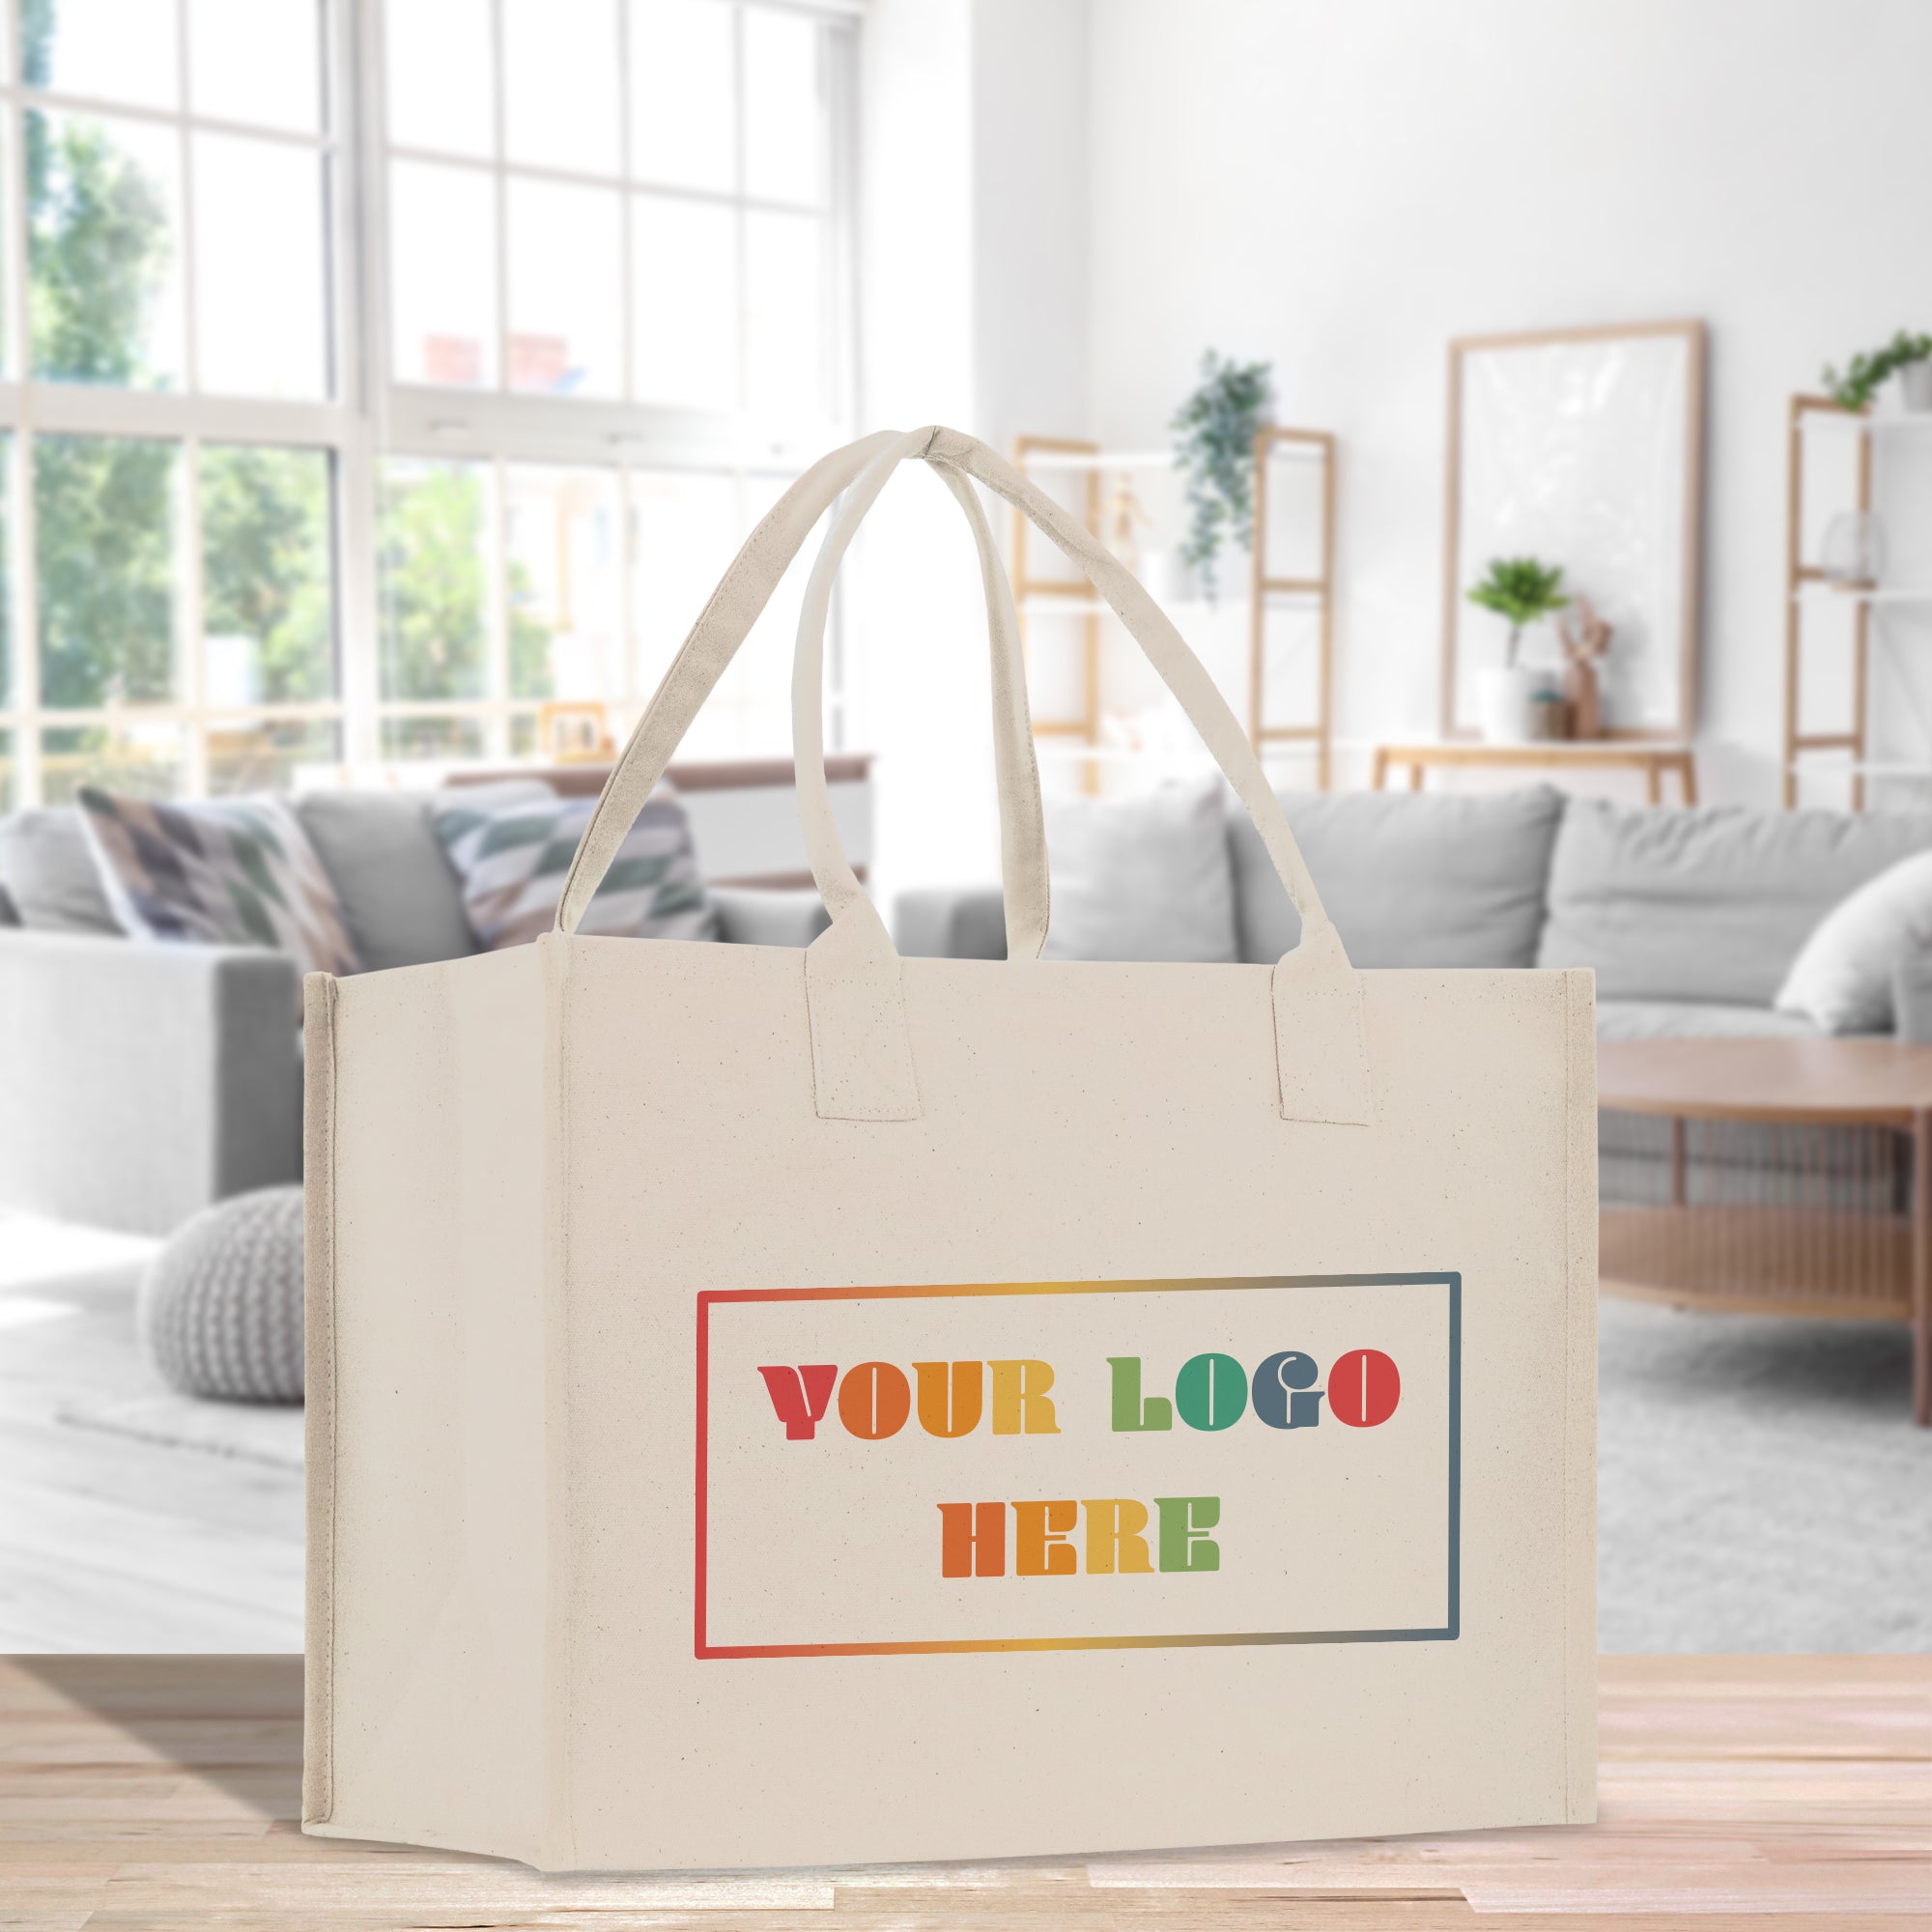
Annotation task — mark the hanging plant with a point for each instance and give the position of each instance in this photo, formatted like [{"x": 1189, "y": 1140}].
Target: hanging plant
[{"x": 1214, "y": 445}]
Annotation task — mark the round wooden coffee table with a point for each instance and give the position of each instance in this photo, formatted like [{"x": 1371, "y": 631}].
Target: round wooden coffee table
[{"x": 1818, "y": 1201}]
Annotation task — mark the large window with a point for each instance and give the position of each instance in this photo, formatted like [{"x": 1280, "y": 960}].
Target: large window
[
  {"x": 173, "y": 407},
  {"x": 375, "y": 373}
]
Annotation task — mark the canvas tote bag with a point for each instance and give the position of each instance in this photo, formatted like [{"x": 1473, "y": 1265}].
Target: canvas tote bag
[{"x": 772, "y": 1408}]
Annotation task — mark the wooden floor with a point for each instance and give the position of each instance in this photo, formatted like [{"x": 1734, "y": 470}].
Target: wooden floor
[{"x": 161, "y": 1793}]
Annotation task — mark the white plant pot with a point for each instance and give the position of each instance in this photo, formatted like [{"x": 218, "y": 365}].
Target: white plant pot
[
  {"x": 1507, "y": 711},
  {"x": 1915, "y": 385}
]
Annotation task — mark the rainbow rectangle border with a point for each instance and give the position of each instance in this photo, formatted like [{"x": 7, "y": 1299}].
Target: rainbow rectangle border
[{"x": 1448, "y": 1634}]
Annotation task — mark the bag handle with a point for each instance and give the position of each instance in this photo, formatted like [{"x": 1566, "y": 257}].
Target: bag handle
[
  {"x": 861, "y": 1058},
  {"x": 721, "y": 627},
  {"x": 861, "y": 1047}
]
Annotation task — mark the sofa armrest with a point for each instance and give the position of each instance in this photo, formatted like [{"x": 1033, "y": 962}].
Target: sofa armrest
[
  {"x": 760, "y": 915},
  {"x": 140, "y": 1082},
  {"x": 950, "y": 922}
]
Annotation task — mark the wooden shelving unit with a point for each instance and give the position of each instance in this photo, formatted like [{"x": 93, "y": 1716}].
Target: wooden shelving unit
[
  {"x": 1319, "y": 445},
  {"x": 1808, "y": 588},
  {"x": 1086, "y": 725},
  {"x": 1073, "y": 598}
]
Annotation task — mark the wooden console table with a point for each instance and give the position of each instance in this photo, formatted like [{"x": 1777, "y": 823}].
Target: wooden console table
[
  {"x": 1633, "y": 755},
  {"x": 162, "y": 1793},
  {"x": 1833, "y": 1220}
]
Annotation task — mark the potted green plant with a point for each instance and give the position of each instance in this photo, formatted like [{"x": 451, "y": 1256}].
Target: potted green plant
[
  {"x": 1214, "y": 446},
  {"x": 1906, "y": 355},
  {"x": 1511, "y": 696}
]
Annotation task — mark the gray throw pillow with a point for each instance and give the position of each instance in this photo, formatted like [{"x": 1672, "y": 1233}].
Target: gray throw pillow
[
  {"x": 48, "y": 870},
  {"x": 1449, "y": 879},
  {"x": 1142, "y": 878}
]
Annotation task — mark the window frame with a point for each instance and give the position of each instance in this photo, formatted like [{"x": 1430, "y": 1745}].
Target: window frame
[
  {"x": 499, "y": 429},
  {"x": 187, "y": 417},
  {"x": 368, "y": 416}
]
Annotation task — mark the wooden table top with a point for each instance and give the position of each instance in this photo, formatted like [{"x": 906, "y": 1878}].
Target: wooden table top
[
  {"x": 1880, "y": 1081},
  {"x": 161, "y": 1793}
]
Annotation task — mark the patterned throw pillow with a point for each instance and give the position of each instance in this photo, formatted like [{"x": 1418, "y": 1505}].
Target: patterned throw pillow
[
  {"x": 513, "y": 861},
  {"x": 225, "y": 872}
]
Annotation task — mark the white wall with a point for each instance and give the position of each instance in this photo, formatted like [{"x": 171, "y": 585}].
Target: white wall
[
  {"x": 1341, "y": 185},
  {"x": 1031, "y": 218},
  {"x": 973, "y": 313}
]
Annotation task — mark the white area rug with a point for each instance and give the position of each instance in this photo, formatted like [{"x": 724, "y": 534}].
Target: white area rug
[{"x": 1760, "y": 1485}]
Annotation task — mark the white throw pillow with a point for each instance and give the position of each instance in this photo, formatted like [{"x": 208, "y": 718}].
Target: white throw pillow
[
  {"x": 1142, "y": 878},
  {"x": 1841, "y": 980}
]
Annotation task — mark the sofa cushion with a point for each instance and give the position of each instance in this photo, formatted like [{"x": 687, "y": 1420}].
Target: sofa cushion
[
  {"x": 1710, "y": 903},
  {"x": 217, "y": 871},
  {"x": 49, "y": 873},
  {"x": 1697, "y": 1019},
  {"x": 1442, "y": 880},
  {"x": 400, "y": 898},
  {"x": 1141, "y": 878}
]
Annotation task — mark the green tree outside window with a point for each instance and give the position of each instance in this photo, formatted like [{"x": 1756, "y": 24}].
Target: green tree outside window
[{"x": 99, "y": 251}]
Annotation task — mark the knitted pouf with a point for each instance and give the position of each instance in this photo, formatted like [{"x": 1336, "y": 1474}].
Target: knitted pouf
[{"x": 221, "y": 1308}]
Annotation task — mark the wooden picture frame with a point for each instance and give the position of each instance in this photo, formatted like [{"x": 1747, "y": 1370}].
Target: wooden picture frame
[
  {"x": 1632, "y": 396},
  {"x": 574, "y": 731}
]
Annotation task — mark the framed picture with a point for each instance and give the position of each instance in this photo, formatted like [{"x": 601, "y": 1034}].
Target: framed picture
[
  {"x": 1582, "y": 448},
  {"x": 573, "y": 732}
]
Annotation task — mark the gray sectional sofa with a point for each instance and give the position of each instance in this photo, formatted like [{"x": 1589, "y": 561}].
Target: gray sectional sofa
[
  {"x": 1690, "y": 917},
  {"x": 138, "y": 1081}
]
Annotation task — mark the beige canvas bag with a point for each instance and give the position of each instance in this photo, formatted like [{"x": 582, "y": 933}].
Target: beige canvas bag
[{"x": 773, "y": 1408}]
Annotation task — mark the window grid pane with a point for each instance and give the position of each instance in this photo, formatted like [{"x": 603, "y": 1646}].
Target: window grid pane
[
  {"x": 257, "y": 61},
  {"x": 112, "y": 220},
  {"x": 637, "y": 244},
  {"x": 103, "y": 250},
  {"x": 564, "y": 538},
  {"x": 434, "y": 572},
  {"x": 181, "y": 589},
  {"x": 442, "y": 225},
  {"x": 105, "y": 511},
  {"x": 564, "y": 250},
  {"x": 142, "y": 758},
  {"x": 723, "y": 172},
  {"x": 265, "y": 755},
  {"x": 124, "y": 50},
  {"x": 261, "y": 268},
  {"x": 718, "y": 120},
  {"x": 565, "y": 568},
  {"x": 268, "y": 577}
]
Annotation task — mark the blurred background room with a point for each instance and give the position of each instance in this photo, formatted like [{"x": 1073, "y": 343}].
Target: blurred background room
[{"x": 1525, "y": 410}]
